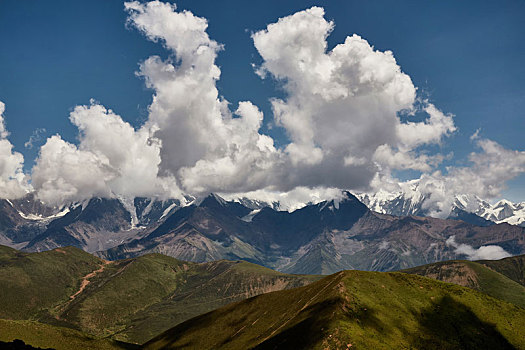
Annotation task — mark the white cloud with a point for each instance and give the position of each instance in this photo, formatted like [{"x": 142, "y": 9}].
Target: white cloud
[
  {"x": 486, "y": 252},
  {"x": 342, "y": 105},
  {"x": 341, "y": 112},
  {"x": 111, "y": 159},
  {"x": 204, "y": 144},
  {"x": 486, "y": 176},
  {"x": 13, "y": 182},
  {"x": 64, "y": 173},
  {"x": 430, "y": 131},
  {"x": 291, "y": 200},
  {"x": 3, "y": 130},
  {"x": 35, "y": 137},
  {"x": 392, "y": 159}
]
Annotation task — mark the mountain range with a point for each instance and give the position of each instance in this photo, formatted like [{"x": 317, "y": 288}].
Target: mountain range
[
  {"x": 319, "y": 238},
  {"x": 464, "y": 207}
]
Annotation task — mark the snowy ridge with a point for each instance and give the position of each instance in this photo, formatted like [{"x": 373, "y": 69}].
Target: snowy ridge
[
  {"x": 34, "y": 217},
  {"x": 399, "y": 203},
  {"x": 412, "y": 202},
  {"x": 505, "y": 211},
  {"x": 167, "y": 210}
]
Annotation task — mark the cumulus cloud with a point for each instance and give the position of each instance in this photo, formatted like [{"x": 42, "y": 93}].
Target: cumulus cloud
[
  {"x": 112, "y": 159},
  {"x": 431, "y": 130},
  {"x": 486, "y": 252},
  {"x": 204, "y": 144},
  {"x": 342, "y": 113},
  {"x": 394, "y": 159},
  {"x": 342, "y": 106},
  {"x": 191, "y": 142},
  {"x": 13, "y": 182}
]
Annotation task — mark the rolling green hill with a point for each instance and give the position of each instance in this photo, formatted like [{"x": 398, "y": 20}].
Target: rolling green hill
[
  {"x": 130, "y": 300},
  {"x": 41, "y": 335},
  {"x": 67, "y": 298},
  {"x": 484, "y": 276},
  {"x": 513, "y": 267},
  {"x": 358, "y": 310},
  {"x": 33, "y": 284}
]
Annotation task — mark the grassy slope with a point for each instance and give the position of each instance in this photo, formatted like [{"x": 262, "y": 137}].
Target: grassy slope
[
  {"x": 46, "y": 336},
  {"x": 474, "y": 275},
  {"x": 367, "y": 310},
  {"x": 33, "y": 284},
  {"x": 513, "y": 267},
  {"x": 139, "y": 298},
  {"x": 130, "y": 300}
]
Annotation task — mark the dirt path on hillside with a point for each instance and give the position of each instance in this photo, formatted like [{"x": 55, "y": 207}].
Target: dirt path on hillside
[
  {"x": 59, "y": 309},
  {"x": 85, "y": 280}
]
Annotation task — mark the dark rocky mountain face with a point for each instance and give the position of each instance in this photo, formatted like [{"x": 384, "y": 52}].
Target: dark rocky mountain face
[
  {"x": 216, "y": 229},
  {"x": 13, "y": 227},
  {"x": 32, "y": 206},
  {"x": 471, "y": 218},
  {"x": 90, "y": 227},
  {"x": 93, "y": 225},
  {"x": 317, "y": 239},
  {"x": 23, "y": 219},
  {"x": 150, "y": 211}
]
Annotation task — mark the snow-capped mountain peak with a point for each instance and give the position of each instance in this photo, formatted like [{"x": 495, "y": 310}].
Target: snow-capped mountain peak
[{"x": 412, "y": 202}]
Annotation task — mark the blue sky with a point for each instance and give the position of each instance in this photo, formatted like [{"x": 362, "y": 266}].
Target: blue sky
[{"x": 466, "y": 57}]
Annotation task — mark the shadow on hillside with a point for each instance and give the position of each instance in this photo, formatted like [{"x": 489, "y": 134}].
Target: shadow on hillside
[
  {"x": 311, "y": 328},
  {"x": 314, "y": 325},
  {"x": 449, "y": 324},
  {"x": 208, "y": 320}
]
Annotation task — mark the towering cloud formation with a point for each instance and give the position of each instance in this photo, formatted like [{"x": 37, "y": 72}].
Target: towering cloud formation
[
  {"x": 341, "y": 111},
  {"x": 112, "y": 159},
  {"x": 348, "y": 113},
  {"x": 203, "y": 143},
  {"x": 13, "y": 182}
]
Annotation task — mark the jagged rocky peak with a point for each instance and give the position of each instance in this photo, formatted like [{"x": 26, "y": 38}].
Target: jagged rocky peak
[
  {"x": 213, "y": 199},
  {"x": 150, "y": 210},
  {"x": 218, "y": 204},
  {"x": 257, "y": 204},
  {"x": 396, "y": 203}
]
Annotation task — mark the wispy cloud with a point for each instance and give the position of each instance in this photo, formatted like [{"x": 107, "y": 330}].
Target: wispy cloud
[
  {"x": 486, "y": 252},
  {"x": 34, "y": 138}
]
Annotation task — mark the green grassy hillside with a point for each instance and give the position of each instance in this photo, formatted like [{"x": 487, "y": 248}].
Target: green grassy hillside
[
  {"x": 513, "y": 267},
  {"x": 41, "y": 335},
  {"x": 476, "y": 275},
  {"x": 136, "y": 299},
  {"x": 130, "y": 300},
  {"x": 358, "y": 310},
  {"x": 33, "y": 284}
]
